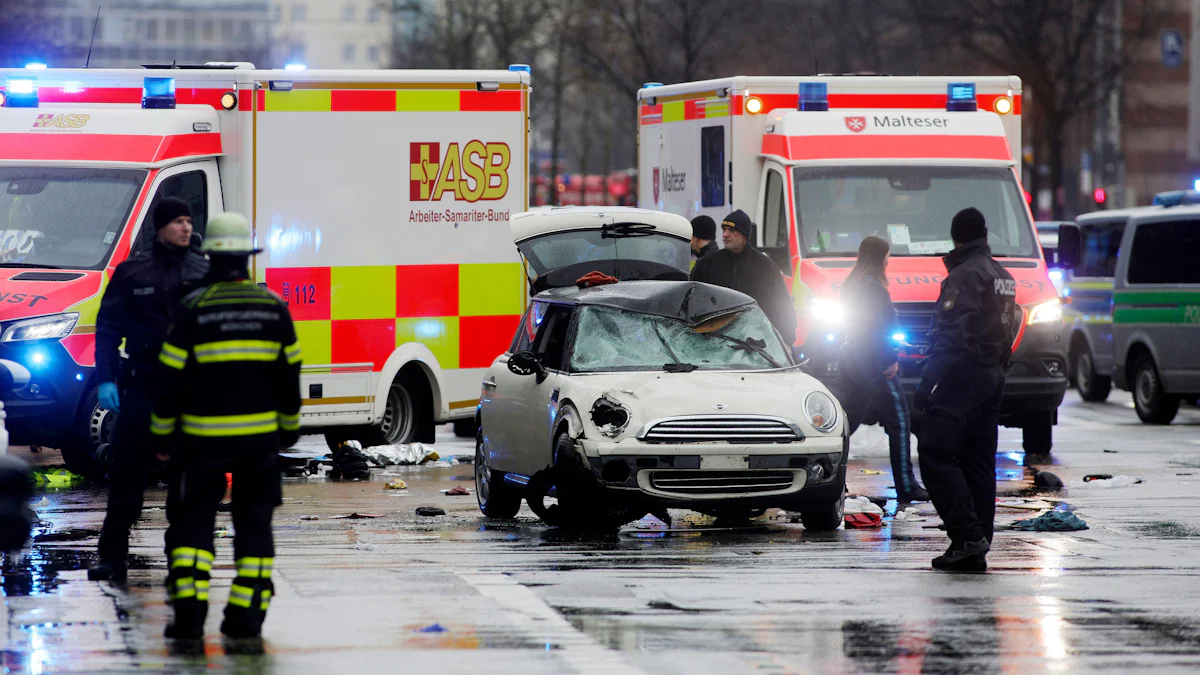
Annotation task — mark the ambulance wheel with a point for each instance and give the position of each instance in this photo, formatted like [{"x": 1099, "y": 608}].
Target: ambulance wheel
[
  {"x": 1153, "y": 405},
  {"x": 466, "y": 428},
  {"x": 93, "y": 428}
]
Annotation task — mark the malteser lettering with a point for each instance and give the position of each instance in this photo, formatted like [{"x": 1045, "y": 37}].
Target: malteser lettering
[{"x": 906, "y": 121}]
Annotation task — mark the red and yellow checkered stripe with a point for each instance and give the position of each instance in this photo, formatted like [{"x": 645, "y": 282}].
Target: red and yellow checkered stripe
[
  {"x": 465, "y": 314},
  {"x": 328, "y": 99}
]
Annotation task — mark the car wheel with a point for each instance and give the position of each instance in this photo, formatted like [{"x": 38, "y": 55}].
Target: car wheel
[
  {"x": 93, "y": 428},
  {"x": 1092, "y": 386},
  {"x": 825, "y": 516},
  {"x": 496, "y": 499},
  {"x": 1153, "y": 405},
  {"x": 466, "y": 428}
]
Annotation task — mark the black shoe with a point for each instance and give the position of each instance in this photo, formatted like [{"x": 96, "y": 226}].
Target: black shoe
[
  {"x": 176, "y": 631},
  {"x": 236, "y": 630},
  {"x": 107, "y": 572},
  {"x": 917, "y": 495},
  {"x": 963, "y": 557}
]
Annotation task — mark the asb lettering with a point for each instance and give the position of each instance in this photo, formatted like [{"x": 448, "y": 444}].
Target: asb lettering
[
  {"x": 475, "y": 171},
  {"x": 67, "y": 121}
]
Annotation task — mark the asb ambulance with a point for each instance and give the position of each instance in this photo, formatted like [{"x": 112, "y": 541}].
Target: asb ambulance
[
  {"x": 381, "y": 198},
  {"x": 821, "y": 162}
]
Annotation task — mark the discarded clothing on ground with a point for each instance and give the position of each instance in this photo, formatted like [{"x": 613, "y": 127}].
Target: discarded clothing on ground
[
  {"x": 860, "y": 521},
  {"x": 406, "y": 454},
  {"x": 56, "y": 479},
  {"x": 1048, "y": 480},
  {"x": 1053, "y": 521},
  {"x": 1108, "y": 482},
  {"x": 856, "y": 504}
]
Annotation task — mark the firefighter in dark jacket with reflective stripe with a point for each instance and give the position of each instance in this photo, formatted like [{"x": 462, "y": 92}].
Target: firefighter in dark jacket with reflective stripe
[
  {"x": 962, "y": 382},
  {"x": 229, "y": 401},
  {"x": 137, "y": 308}
]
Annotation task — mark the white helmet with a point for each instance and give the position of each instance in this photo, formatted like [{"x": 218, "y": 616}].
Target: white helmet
[{"x": 229, "y": 234}]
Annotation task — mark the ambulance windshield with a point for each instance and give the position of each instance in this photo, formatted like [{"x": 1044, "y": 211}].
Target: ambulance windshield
[{"x": 910, "y": 206}]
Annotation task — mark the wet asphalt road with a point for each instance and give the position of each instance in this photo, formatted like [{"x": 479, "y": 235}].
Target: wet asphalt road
[{"x": 457, "y": 594}]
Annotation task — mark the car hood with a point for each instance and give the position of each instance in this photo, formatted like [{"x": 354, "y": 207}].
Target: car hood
[{"x": 650, "y": 396}]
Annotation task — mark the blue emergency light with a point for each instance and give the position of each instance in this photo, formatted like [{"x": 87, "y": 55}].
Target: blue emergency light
[
  {"x": 35, "y": 65},
  {"x": 1176, "y": 198},
  {"x": 158, "y": 93},
  {"x": 295, "y": 66},
  {"x": 21, "y": 91},
  {"x": 960, "y": 97},
  {"x": 899, "y": 337},
  {"x": 814, "y": 96},
  {"x": 519, "y": 68}
]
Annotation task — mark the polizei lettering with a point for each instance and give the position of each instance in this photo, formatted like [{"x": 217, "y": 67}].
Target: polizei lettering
[
  {"x": 905, "y": 122},
  {"x": 673, "y": 181},
  {"x": 1005, "y": 287}
]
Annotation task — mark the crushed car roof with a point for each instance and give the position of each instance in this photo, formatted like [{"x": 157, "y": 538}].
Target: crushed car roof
[{"x": 689, "y": 301}]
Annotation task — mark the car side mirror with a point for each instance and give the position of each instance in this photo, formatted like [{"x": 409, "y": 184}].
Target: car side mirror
[
  {"x": 526, "y": 363},
  {"x": 1070, "y": 245}
]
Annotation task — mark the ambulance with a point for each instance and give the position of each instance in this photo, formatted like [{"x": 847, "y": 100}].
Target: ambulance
[
  {"x": 381, "y": 199},
  {"x": 821, "y": 162}
]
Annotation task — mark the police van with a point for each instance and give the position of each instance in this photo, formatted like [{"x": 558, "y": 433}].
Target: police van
[
  {"x": 381, "y": 199},
  {"x": 1155, "y": 308},
  {"x": 821, "y": 162}
]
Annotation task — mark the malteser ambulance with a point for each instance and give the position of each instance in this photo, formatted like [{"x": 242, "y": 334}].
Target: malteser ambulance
[
  {"x": 821, "y": 162},
  {"x": 381, "y": 198}
]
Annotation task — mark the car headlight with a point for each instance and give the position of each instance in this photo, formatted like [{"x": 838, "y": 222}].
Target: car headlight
[
  {"x": 609, "y": 416},
  {"x": 42, "y": 328},
  {"x": 821, "y": 411},
  {"x": 827, "y": 311},
  {"x": 1046, "y": 312}
]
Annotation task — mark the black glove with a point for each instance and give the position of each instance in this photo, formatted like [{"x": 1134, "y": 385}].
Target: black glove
[
  {"x": 349, "y": 463},
  {"x": 924, "y": 391}
]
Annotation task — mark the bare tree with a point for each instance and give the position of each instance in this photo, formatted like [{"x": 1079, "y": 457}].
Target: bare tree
[
  {"x": 1055, "y": 46},
  {"x": 451, "y": 36}
]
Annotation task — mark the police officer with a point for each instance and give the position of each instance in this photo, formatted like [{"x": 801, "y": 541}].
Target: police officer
[
  {"x": 961, "y": 386},
  {"x": 137, "y": 307},
  {"x": 743, "y": 268},
  {"x": 229, "y": 392},
  {"x": 704, "y": 231}
]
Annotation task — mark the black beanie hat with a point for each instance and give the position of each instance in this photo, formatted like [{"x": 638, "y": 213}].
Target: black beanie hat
[
  {"x": 968, "y": 225},
  {"x": 704, "y": 227},
  {"x": 741, "y": 222},
  {"x": 168, "y": 210}
]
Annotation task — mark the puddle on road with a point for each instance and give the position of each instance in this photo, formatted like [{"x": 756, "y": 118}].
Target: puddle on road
[
  {"x": 36, "y": 571},
  {"x": 1168, "y": 529}
]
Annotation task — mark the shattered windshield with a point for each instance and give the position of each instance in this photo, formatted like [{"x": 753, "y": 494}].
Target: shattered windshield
[
  {"x": 63, "y": 218},
  {"x": 616, "y": 340},
  {"x": 909, "y": 206}
]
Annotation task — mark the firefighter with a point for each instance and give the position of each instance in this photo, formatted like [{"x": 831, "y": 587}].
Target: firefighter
[
  {"x": 961, "y": 385},
  {"x": 704, "y": 231},
  {"x": 743, "y": 268},
  {"x": 229, "y": 400},
  {"x": 137, "y": 307},
  {"x": 868, "y": 363}
]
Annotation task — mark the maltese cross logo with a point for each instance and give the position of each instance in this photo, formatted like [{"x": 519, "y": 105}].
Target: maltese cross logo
[{"x": 856, "y": 124}]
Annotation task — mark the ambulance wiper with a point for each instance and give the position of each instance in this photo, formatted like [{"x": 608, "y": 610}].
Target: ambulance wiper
[{"x": 622, "y": 230}]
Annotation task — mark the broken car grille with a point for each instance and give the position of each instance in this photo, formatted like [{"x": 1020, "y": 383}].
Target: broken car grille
[
  {"x": 739, "y": 429},
  {"x": 718, "y": 482}
]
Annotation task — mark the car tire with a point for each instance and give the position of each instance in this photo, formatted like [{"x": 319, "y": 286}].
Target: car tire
[
  {"x": 496, "y": 499},
  {"x": 1153, "y": 405},
  {"x": 1037, "y": 433},
  {"x": 824, "y": 516},
  {"x": 93, "y": 427},
  {"x": 1092, "y": 386},
  {"x": 467, "y": 428}
]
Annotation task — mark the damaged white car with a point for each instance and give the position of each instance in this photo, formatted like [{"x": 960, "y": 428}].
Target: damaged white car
[{"x": 654, "y": 392}]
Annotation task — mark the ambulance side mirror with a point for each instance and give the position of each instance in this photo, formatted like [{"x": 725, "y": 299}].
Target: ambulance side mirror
[{"x": 1070, "y": 245}]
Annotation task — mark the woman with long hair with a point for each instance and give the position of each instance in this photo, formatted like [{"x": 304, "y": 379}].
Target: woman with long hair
[{"x": 868, "y": 364}]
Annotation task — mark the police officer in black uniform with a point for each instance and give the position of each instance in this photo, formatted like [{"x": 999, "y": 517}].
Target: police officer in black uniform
[
  {"x": 137, "y": 307},
  {"x": 961, "y": 386},
  {"x": 228, "y": 400}
]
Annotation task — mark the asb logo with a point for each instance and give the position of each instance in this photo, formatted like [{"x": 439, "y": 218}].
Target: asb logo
[
  {"x": 656, "y": 184},
  {"x": 68, "y": 121},
  {"x": 473, "y": 172},
  {"x": 856, "y": 124}
]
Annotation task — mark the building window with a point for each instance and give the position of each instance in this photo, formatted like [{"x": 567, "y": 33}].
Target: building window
[
  {"x": 299, "y": 13},
  {"x": 373, "y": 15},
  {"x": 227, "y": 29},
  {"x": 172, "y": 31},
  {"x": 349, "y": 52},
  {"x": 189, "y": 30},
  {"x": 208, "y": 30},
  {"x": 78, "y": 28},
  {"x": 277, "y": 13},
  {"x": 348, "y": 13},
  {"x": 152, "y": 30},
  {"x": 373, "y": 54}
]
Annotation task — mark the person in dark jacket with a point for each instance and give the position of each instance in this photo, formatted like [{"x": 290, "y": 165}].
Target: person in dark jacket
[
  {"x": 868, "y": 364},
  {"x": 228, "y": 401},
  {"x": 743, "y": 268},
  {"x": 137, "y": 307},
  {"x": 704, "y": 231},
  {"x": 962, "y": 382}
]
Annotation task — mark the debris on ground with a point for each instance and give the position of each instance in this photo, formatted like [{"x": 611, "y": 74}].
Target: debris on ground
[
  {"x": 1045, "y": 479},
  {"x": 881, "y": 502},
  {"x": 430, "y": 511},
  {"x": 1106, "y": 481},
  {"x": 357, "y": 516},
  {"x": 872, "y": 472},
  {"x": 456, "y": 491},
  {"x": 1025, "y": 504},
  {"x": 310, "y": 517},
  {"x": 223, "y": 534},
  {"x": 1111, "y": 451},
  {"x": 859, "y": 521},
  {"x": 350, "y": 463},
  {"x": 432, "y": 628},
  {"x": 42, "y": 502},
  {"x": 1051, "y": 521},
  {"x": 911, "y": 515},
  {"x": 56, "y": 479},
  {"x": 858, "y": 504},
  {"x": 395, "y": 484},
  {"x": 405, "y": 454}
]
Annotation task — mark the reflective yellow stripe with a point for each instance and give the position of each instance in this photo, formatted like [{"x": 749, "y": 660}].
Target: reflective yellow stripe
[
  {"x": 293, "y": 353},
  {"x": 202, "y": 590},
  {"x": 289, "y": 422},
  {"x": 255, "y": 568},
  {"x": 237, "y": 350},
  {"x": 240, "y": 596},
  {"x": 184, "y": 587},
  {"x": 184, "y": 556},
  {"x": 204, "y": 560},
  {"x": 161, "y": 426},
  {"x": 266, "y": 600},
  {"x": 230, "y": 425},
  {"x": 173, "y": 356}
]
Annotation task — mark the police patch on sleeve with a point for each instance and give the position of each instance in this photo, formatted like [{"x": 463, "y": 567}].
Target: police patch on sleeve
[{"x": 949, "y": 297}]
